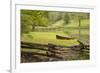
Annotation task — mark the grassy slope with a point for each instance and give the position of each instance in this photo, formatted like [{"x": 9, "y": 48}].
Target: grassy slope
[{"x": 47, "y": 37}]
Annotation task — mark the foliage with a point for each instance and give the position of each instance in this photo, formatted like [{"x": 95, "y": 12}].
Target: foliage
[
  {"x": 26, "y": 23},
  {"x": 33, "y": 18},
  {"x": 30, "y": 19},
  {"x": 66, "y": 18}
]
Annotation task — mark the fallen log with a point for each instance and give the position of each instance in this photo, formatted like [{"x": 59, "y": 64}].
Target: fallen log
[{"x": 64, "y": 37}]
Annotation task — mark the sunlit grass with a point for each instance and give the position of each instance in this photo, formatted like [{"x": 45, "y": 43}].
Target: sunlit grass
[{"x": 48, "y": 37}]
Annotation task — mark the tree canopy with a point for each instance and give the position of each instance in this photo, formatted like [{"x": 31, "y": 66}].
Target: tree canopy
[{"x": 32, "y": 18}]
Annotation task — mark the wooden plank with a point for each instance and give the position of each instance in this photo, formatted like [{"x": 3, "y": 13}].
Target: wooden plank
[
  {"x": 50, "y": 47},
  {"x": 41, "y": 54}
]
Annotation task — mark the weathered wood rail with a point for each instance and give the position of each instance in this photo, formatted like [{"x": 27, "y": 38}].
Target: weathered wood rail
[
  {"x": 45, "y": 29},
  {"x": 52, "y": 52},
  {"x": 51, "y": 47}
]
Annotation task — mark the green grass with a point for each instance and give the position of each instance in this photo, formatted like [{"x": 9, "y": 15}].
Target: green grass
[{"x": 47, "y": 37}]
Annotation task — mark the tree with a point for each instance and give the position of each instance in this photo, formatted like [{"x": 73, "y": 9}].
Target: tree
[
  {"x": 66, "y": 18},
  {"x": 32, "y": 18},
  {"x": 26, "y": 23}
]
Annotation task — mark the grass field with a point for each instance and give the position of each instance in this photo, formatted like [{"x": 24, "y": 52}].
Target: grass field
[{"x": 48, "y": 37}]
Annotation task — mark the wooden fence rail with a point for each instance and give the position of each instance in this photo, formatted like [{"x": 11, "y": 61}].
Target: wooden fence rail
[
  {"x": 52, "y": 51},
  {"x": 50, "y": 47}
]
